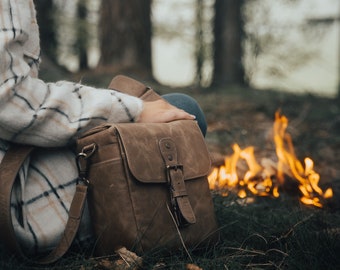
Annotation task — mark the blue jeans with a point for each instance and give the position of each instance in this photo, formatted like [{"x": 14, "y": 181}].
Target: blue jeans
[{"x": 189, "y": 105}]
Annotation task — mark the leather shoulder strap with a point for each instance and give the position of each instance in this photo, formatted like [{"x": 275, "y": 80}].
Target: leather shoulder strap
[
  {"x": 9, "y": 167},
  {"x": 133, "y": 87}
]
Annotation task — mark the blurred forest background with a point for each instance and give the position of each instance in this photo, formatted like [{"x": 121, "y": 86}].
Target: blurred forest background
[
  {"x": 205, "y": 43},
  {"x": 235, "y": 57}
]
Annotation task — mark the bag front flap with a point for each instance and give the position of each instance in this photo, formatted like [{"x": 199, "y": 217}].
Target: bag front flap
[{"x": 141, "y": 143}]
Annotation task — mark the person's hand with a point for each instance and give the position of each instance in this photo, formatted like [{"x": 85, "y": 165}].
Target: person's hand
[{"x": 160, "y": 111}]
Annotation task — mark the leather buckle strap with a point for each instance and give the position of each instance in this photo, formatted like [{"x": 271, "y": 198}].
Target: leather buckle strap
[{"x": 182, "y": 209}]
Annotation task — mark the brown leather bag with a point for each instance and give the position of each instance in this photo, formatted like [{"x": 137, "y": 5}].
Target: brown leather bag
[{"x": 146, "y": 185}]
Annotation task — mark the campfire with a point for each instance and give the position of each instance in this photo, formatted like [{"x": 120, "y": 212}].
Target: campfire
[{"x": 242, "y": 173}]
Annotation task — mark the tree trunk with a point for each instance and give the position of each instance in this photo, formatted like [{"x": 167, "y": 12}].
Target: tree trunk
[
  {"x": 81, "y": 44},
  {"x": 199, "y": 52},
  {"x": 228, "y": 51},
  {"x": 125, "y": 35},
  {"x": 47, "y": 28}
]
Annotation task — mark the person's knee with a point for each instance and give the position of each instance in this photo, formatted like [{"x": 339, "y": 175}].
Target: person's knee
[{"x": 190, "y": 105}]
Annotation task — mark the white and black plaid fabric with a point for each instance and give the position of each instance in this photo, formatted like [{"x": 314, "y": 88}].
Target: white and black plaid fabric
[{"x": 49, "y": 115}]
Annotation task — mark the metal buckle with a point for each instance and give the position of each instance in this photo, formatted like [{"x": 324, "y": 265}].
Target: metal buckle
[
  {"x": 82, "y": 161},
  {"x": 174, "y": 167}
]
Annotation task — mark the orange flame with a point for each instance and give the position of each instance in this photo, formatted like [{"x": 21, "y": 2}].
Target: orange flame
[{"x": 260, "y": 180}]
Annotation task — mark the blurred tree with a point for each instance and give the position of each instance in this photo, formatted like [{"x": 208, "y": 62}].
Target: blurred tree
[
  {"x": 81, "y": 43},
  {"x": 228, "y": 50},
  {"x": 199, "y": 52},
  {"x": 47, "y": 27},
  {"x": 125, "y": 35}
]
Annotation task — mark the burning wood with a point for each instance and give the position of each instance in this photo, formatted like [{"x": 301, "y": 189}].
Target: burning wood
[{"x": 265, "y": 178}]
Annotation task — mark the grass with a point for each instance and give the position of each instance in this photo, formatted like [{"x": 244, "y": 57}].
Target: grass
[
  {"x": 269, "y": 233},
  {"x": 279, "y": 234}
]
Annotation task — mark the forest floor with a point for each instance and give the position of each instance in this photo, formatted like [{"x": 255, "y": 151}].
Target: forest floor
[{"x": 270, "y": 233}]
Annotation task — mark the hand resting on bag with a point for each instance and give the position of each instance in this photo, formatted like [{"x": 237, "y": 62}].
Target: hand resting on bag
[{"x": 160, "y": 111}]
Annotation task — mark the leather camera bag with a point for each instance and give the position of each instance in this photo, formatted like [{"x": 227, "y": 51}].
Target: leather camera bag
[{"x": 146, "y": 185}]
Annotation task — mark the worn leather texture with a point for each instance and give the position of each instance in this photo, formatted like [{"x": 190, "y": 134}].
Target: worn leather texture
[{"x": 148, "y": 186}]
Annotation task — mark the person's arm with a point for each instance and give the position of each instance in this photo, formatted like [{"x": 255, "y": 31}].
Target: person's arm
[{"x": 46, "y": 114}]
